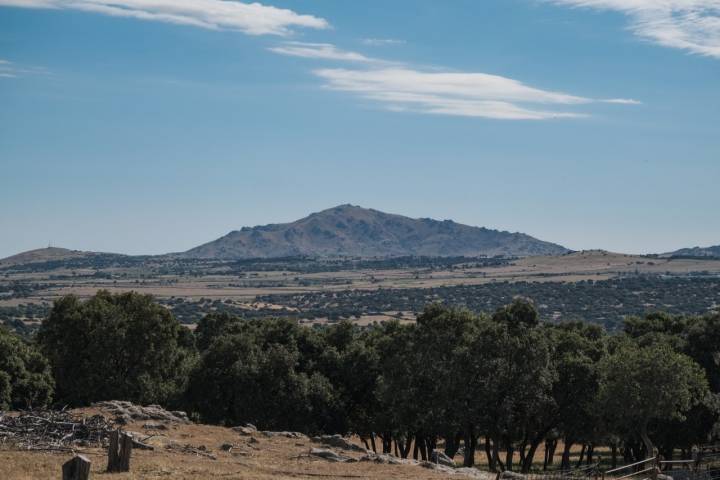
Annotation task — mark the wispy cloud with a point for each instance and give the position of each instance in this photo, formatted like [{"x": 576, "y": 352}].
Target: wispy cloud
[
  {"x": 381, "y": 42},
  {"x": 451, "y": 93},
  {"x": 692, "y": 25},
  {"x": 322, "y": 51},
  {"x": 9, "y": 69},
  {"x": 250, "y": 18}
]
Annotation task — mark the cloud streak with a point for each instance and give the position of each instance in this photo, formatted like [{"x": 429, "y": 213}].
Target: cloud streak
[
  {"x": 691, "y": 25},
  {"x": 250, "y": 18},
  {"x": 458, "y": 94},
  {"x": 9, "y": 69},
  {"x": 321, "y": 51}
]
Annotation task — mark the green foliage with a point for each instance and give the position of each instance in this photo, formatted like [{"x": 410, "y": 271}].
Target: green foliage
[
  {"x": 646, "y": 384},
  {"x": 25, "y": 378},
  {"x": 263, "y": 374},
  {"x": 453, "y": 374},
  {"x": 116, "y": 347}
]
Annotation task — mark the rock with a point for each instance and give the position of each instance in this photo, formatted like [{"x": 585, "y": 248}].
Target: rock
[
  {"x": 245, "y": 430},
  {"x": 226, "y": 447},
  {"x": 253, "y": 440},
  {"x": 442, "y": 459},
  {"x": 284, "y": 434},
  {"x": 338, "y": 441},
  {"x": 386, "y": 459},
  {"x": 512, "y": 476},
  {"x": 464, "y": 472},
  {"x": 330, "y": 455}
]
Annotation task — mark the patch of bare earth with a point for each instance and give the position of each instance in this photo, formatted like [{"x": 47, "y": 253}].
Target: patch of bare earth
[{"x": 193, "y": 451}]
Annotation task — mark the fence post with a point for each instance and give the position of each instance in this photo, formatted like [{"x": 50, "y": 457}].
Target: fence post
[
  {"x": 77, "y": 468},
  {"x": 119, "y": 451}
]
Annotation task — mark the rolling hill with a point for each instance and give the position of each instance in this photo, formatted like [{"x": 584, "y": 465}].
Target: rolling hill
[
  {"x": 696, "y": 252},
  {"x": 349, "y": 230}
]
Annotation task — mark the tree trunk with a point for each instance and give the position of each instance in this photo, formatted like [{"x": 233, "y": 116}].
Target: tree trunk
[
  {"x": 613, "y": 450},
  {"x": 582, "y": 456},
  {"x": 496, "y": 455},
  {"x": 470, "y": 441},
  {"x": 550, "y": 446},
  {"x": 649, "y": 448},
  {"x": 530, "y": 456},
  {"x": 492, "y": 466},
  {"x": 565, "y": 463},
  {"x": 372, "y": 442},
  {"x": 509, "y": 453},
  {"x": 452, "y": 444}
]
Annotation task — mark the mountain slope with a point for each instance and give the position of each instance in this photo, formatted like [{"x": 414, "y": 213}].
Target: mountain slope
[
  {"x": 42, "y": 255},
  {"x": 696, "y": 252},
  {"x": 348, "y": 230}
]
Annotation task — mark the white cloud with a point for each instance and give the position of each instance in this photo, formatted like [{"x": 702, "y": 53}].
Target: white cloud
[
  {"x": 323, "y": 51},
  {"x": 381, "y": 42},
  {"x": 9, "y": 69},
  {"x": 460, "y": 94},
  {"x": 250, "y": 18},
  {"x": 622, "y": 101},
  {"x": 692, "y": 25}
]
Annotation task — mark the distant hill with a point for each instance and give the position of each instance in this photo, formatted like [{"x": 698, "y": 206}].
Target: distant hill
[
  {"x": 349, "y": 230},
  {"x": 42, "y": 255},
  {"x": 695, "y": 252},
  {"x": 55, "y": 254}
]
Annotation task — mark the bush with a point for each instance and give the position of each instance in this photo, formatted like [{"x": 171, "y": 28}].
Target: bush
[
  {"x": 116, "y": 347},
  {"x": 25, "y": 377}
]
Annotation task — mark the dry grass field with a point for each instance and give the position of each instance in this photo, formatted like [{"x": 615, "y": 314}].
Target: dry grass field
[
  {"x": 262, "y": 458},
  {"x": 591, "y": 265}
]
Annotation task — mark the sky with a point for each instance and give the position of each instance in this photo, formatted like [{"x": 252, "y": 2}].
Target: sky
[{"x": 152, "y": 126}]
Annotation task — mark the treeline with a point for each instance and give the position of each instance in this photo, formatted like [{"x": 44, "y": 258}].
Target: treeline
[
  {"x": 505, "y": 383},
  {"x": 604, "y": 302}
]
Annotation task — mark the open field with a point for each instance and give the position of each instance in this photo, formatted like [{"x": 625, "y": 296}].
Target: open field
[
  {"x": 256, "y": 456},
  {"x": 304, "y": 288}
]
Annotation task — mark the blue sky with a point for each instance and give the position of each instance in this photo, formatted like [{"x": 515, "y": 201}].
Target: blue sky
[{"x": 149, "y": 126}]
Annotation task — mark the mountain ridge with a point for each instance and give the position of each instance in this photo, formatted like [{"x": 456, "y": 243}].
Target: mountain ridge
[
  {"x": 348, "y": 230},
  {"x": 713, "y": 251}
]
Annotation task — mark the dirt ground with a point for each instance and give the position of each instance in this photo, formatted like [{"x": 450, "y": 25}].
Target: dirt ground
[{"x": 261, "y": 458}]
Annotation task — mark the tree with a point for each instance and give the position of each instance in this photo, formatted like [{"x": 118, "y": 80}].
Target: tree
[
  {"x": 25, "y": 377},
  {"x": 215, "y": 325},
  {"x": 264, "y": 374},
  {"x": 122, "y": 346},
  {"x": 645, "y": 384}
]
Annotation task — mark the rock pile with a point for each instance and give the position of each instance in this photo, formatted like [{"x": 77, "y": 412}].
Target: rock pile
[{"x": 126, "y": 412}]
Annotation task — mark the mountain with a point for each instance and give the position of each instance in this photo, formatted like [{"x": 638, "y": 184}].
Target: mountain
[
  {"x": 695, "y": 252},
  {"x": 54, "y": 254},
  {"x": 349, "y": 230},
  {"x": 42, "y": 255}
]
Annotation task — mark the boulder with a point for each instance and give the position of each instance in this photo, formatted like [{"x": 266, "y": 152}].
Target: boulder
[
  {"x": 338, "y": 441},
  {"x": 330, "y": 455},
  {"x": 442, "y": 459},
  {"x": 284, "y": 434},
  {"x": 386, "y": 459}
]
